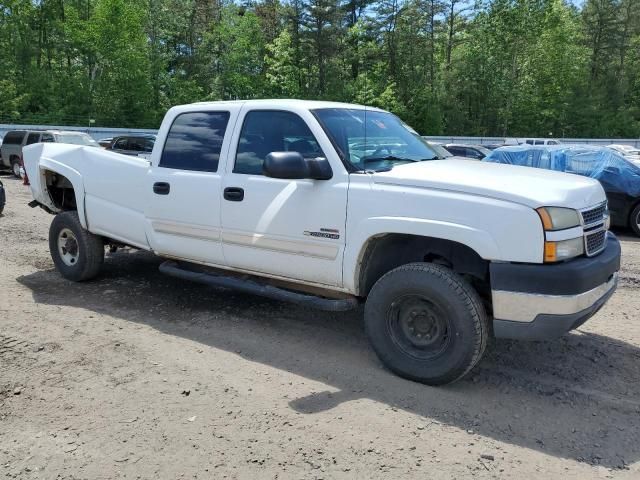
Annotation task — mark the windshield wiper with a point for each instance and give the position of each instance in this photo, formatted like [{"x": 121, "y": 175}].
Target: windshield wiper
[{"x": 393, "y": 158}]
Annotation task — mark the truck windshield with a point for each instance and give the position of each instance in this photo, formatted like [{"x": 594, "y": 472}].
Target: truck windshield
[{"x": 373, "y": 140}]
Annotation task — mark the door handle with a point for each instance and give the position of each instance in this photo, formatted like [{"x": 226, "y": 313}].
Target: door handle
[
  {"x": 234, "y": 194},
  {"x": 161, "y": 188}
]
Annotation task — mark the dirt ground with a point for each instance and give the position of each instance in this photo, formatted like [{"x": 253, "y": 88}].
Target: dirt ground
[{"x": 139, "y": 375}]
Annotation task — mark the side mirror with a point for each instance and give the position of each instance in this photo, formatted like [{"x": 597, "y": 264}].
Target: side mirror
[{"x": 293, "y": 166}]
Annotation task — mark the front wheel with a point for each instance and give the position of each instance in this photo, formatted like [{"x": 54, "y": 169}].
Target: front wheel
[
  {"x": 77, "y": 253},
  {"x": 426, "y": 323}
]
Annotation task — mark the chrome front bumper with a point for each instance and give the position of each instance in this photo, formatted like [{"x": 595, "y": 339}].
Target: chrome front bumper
[
  {"x": 543, "y": 301},
  {"x": 526, "y": 307}
]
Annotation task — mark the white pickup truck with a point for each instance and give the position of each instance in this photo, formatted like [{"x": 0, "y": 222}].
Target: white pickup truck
[{"x": 330, "y": 205}]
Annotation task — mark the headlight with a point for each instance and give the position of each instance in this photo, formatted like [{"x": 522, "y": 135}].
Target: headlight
[
  {"x": 553, "y": 220},
  {"x": 557, "y": 218}
]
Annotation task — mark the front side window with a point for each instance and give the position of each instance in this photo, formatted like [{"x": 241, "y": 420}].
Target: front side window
[
  {"x": 33, "y": 138},
  {"x": 265, "y": 131},
  {"x": 136, "y": 144},
  {"x": 458, "y": 151},
  {"x": 373, "y": 140},
  {"x": 194, "y": 141},
  {"x": 47, "y": 138},
  {"x": 481, "y": 152},
  {"x": 120, "y": 144}
]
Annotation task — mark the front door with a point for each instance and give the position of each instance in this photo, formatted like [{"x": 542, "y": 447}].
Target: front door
[
  {"x": 184, "y": 186},
  {"x": 287, "y": 228}
]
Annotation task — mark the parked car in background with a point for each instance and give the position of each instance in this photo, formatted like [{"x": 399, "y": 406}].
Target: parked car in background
[
  {"x": 476, "y": 152},
  {"x": 493, "y": 146},
  {"x": 440, "y": 151},
  {"x": 619, "y": 177},
  {"x": 105, "y": 142},
  {"x": 508, "y": 141},
  {"x": 11, "y": 150},
  {"x": 15, "y": 140},
  {"x": 135, "y": 145},
  {"x": 539, "y": 141},
  {"x": 627, "y": 151}
]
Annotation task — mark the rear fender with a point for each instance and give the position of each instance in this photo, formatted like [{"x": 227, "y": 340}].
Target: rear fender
[{"x": 37, "y": 167}]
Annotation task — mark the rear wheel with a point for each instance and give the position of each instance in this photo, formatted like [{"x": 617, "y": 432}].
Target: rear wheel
[
  {"x": 15, "y": 166},
  {"x": 634, "y": 220},
  {"x": 426, "y": 323},
  {"x": 77, "y": 253}
]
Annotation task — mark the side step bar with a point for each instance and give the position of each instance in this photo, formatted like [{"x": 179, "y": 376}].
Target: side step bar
[{"x": 261, "y": 289}]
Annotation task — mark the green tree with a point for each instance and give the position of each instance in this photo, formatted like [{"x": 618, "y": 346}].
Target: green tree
[
  {"x": 281, "y": 71},
  {"x": 121, "y": 89}
]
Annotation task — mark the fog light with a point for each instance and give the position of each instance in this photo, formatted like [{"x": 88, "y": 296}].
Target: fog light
[{"x": 558, "y": 251}]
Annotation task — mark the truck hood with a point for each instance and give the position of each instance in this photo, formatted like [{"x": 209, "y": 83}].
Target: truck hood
[{"x": 528, "y": 186}]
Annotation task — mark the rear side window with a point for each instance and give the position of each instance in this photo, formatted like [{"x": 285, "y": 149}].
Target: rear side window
[
  {"x": 194, "y": 141},
  {"x": 539, "y": 142},
  {"x": 33, "y": 138},
  {"x": 47, "y": 138},
  {"x": 13, "y": 138}
]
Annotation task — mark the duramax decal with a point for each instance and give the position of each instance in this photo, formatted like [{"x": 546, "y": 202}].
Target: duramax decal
[{"x": 331, "y": 233}]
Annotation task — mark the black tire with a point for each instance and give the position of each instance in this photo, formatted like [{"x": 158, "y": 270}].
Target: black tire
[
  {"x": 84, "y": 253},
  {"x": 15, "y": 167},
  {"x": 634, "y": 220},
  {"x": 426, "y": 323}
]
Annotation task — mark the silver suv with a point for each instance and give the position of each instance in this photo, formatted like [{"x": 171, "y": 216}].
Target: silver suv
[{"x": 14, "y": 140}]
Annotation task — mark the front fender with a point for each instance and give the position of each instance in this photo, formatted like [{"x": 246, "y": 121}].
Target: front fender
[{"x": 478, "y": 240}]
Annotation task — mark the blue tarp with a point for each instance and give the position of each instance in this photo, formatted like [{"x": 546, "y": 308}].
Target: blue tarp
[{"x": 616, "y": 173}]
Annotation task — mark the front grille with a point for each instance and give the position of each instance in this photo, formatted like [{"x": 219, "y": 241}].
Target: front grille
[
  {"x": 595, "y": 214},
  {"x": 595, "y": 242}
]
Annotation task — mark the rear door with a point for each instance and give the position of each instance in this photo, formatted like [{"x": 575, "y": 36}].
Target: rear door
[{"x": 184, "y": 187}]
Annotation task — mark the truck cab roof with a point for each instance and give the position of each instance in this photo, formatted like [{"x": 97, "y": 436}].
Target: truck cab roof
[{"x": 287, "y": 102}]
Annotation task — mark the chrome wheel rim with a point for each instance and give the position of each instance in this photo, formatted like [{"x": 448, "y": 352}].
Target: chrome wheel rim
[
  {"x": 16, "y": 169},
  {"x": 68, "y": 247}
]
